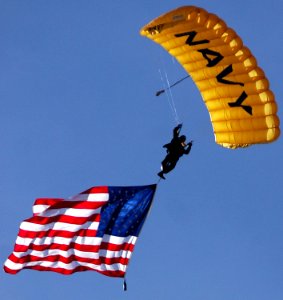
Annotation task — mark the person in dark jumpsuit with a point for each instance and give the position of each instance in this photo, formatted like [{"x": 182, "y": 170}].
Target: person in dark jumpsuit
[{"x": 175, "y": 149}]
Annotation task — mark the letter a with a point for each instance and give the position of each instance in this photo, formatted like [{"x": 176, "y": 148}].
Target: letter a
[{"x": 206, "y": 53}]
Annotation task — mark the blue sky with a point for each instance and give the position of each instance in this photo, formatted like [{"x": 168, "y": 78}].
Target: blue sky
[{"x": 78, "y": 109}]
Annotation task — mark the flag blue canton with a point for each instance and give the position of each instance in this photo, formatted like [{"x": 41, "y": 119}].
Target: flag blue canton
[{"x": 126, "y": 210}]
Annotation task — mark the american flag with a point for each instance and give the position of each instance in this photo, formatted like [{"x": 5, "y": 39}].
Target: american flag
[{"x": 95, "y": 230}]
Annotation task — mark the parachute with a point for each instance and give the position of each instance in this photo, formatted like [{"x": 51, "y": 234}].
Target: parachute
[{"x": 235, "y": 90}]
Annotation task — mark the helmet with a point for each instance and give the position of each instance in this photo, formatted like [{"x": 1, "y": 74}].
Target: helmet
[{"x": 182, "y": 138}]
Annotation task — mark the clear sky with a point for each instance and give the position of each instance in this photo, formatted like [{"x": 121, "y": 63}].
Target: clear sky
[{"x": 78, "y": 109}]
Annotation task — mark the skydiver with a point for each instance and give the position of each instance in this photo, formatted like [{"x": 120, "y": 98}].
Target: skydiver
[{"x": 175, "y": 149}]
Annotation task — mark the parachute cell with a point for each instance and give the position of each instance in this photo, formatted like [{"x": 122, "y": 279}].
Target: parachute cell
[{"x": 235, "y": 90}]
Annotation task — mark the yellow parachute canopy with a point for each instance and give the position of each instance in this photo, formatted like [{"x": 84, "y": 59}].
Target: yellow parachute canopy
[{"x": 235, "y": 90}]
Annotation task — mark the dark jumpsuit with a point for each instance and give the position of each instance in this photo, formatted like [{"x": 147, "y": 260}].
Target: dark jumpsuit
[{"x": 175, "y": 150}]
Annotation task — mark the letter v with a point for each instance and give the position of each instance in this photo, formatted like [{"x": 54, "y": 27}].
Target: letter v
[{"x": 225, "y": 72}]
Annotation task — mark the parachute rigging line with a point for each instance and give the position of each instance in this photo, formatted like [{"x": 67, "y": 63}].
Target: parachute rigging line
[
  {"x": 169, "y": 95},
  {"x": 172, "y": 85}
]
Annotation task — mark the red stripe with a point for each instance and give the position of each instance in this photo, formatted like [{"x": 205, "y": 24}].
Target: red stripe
[
  {"x": 115, "y": 247},
  {"x": 113, "y": 273},
  {"x": 117, "y": 273},
  {"x": 85, "y": 248},
  {"x": 64, "y": 219},
  {"x": 73, "y": 245},
  {"x": 56, "y": 233},
  {"x": 10, "y": 271},
  {"x": 61, "y": 203},
  {"x": 96, "y": 190},
  {"x": 47, "y": 201},
  {"x": 52, "y": 201},
  {"x": 68, "y": 260}
]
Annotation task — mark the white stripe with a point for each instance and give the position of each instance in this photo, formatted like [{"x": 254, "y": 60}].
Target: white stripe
[
  {"x": 82, "y": 254},
  {"x": 81, "y": 240},
  {"x": 117, "y": 240},
  {"x": 39, "y": 208},
  {"x": 100, "y": 197},
  {"x": 89, "y": 241},
  {"x": 71, "y": 212},
  {"x": 28, "y": 226},
  {"x": 58, "y": 264},
  {"x": 97, "y": 197},
  {"x": 112, "y": 254}
]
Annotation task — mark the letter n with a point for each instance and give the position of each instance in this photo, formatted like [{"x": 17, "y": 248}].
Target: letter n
[{"x": 191, "y": 36}]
